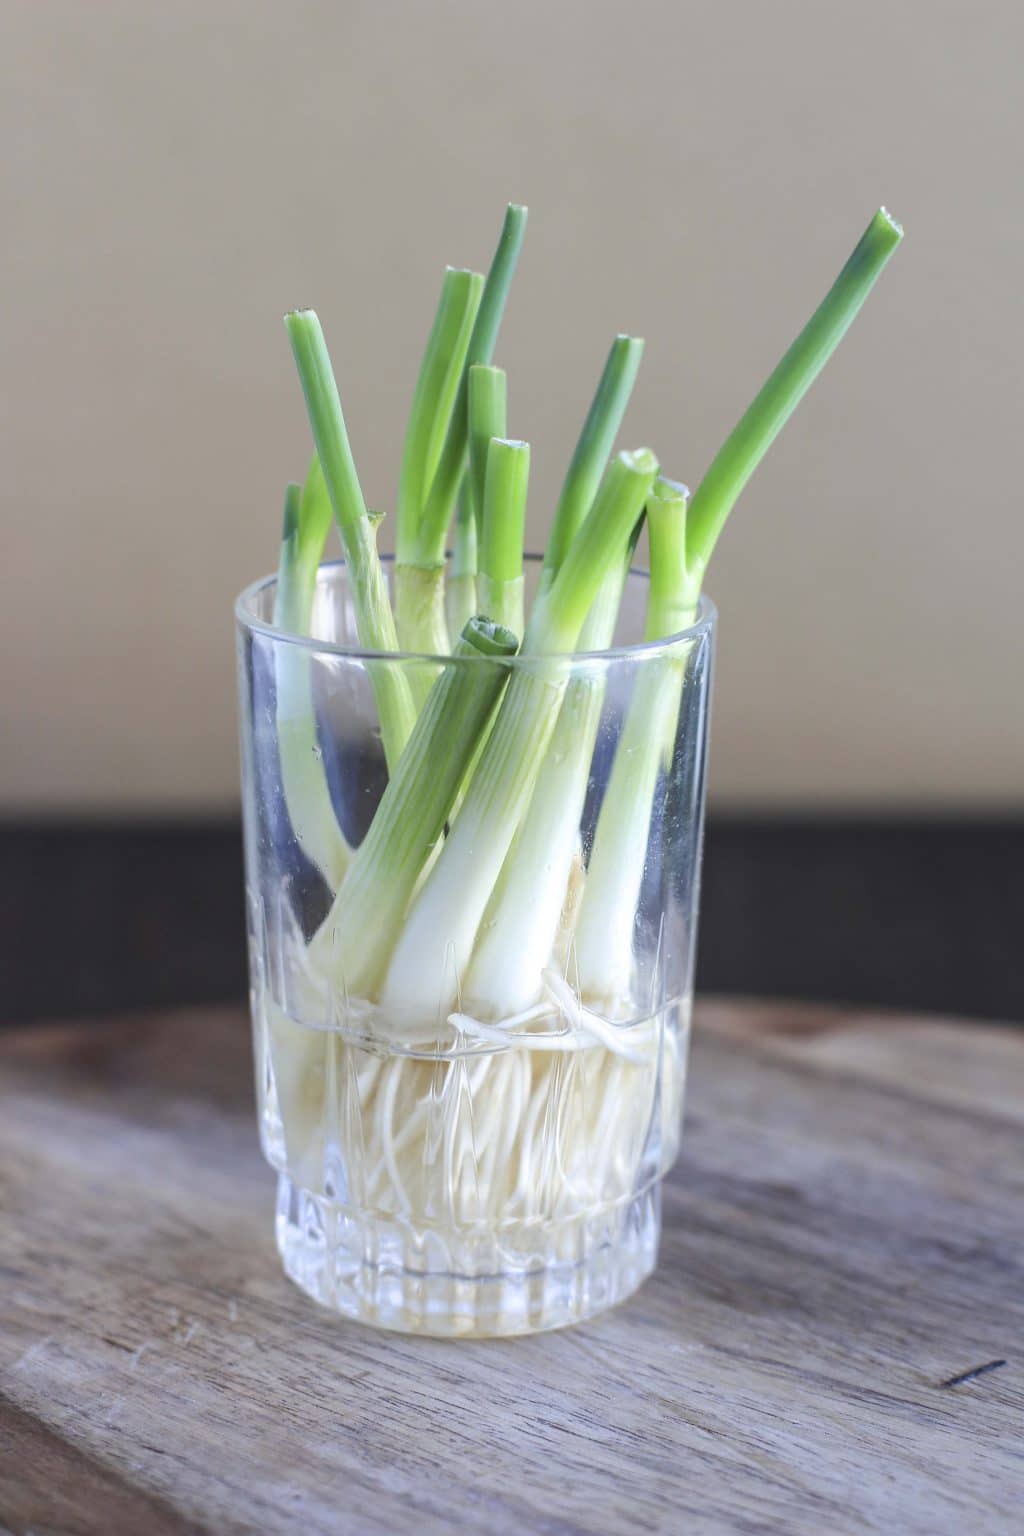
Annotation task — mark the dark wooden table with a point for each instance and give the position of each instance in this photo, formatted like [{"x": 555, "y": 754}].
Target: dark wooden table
[{"x": 833, "y": 1342}]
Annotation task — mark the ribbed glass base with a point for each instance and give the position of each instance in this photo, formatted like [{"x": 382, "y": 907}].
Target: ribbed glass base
[{"x": 522, "y": 1277}]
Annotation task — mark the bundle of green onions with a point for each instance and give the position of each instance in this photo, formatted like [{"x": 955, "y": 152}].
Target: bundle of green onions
[
  {"x": 471, "y": 902},
  {"x": 488, "y": 764}
]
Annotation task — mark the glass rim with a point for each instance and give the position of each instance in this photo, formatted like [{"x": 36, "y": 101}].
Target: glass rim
[{"x": 246, "y": 619}]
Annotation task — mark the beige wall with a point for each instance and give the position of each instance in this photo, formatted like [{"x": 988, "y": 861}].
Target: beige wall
[{"x": 176, "y": 176}]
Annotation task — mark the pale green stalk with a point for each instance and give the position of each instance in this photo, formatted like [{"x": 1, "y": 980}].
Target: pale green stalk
[
  {"x": 419, "y": 594},
  {"x": 375, "y": 624},
  {"x": 487, "y": 405},
  {"x": 460, "y": 591},
  {"x": 354, "y": 943},
  {"x": 500, "y": 582},
  {"x": 307, "y": 518},
  {"x": 604, "y": 928},
  {"x": 488, "y": 417},
  {"x": 439, "y": 933},
  {"x": 519, "y": 929},
  {"x": 422, "y": 620}
]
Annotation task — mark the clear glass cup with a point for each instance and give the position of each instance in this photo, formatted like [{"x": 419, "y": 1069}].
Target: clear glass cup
[{"x": 468, "y": 1167}]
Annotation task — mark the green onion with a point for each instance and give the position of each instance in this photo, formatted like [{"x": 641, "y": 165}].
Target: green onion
[
  {"x": 682, "y": 542},
  {"x": 757, "y": 429},
  {"x": 462, "y": 880},
  {"x": 555, "y": 626},
  {"x": 424, "y": 972},
  {"x": 674, "y": 590},
  {"x": 307, "y": 518},
  {"x": 419, "y": 594},
  {"x": 520, "y": 926},
  {"x": 420, "y": 599},
  {"x": 611, "y": 895},
  {"x": 475, "y": 959},
  {"x": 488, "y": 417},
  {"x": 374, "y": 621},
  {"x": 437, "y": 513},
  {"x": 519, "y": 929},
  {"x": 501, "y": 538},
  {"x": 356, "y": 938},
  {"x": 593, "y": 449},
  {"x": 460, "y": 593},
  {"x": 434, "y": 400},
  {"x": 487, "y": 407}
]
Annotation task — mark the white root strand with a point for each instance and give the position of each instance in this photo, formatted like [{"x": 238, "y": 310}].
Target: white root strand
[{"x": 541, "y": 1115}]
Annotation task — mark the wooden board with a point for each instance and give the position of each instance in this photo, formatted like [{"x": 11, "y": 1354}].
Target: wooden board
[{"x": 842, "y": 1238}]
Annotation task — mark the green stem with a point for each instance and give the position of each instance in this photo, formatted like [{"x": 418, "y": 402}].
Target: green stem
[
  {"x": 354, "y": 943},
  {"x": 487, "y": 405},
  {"x": 757, "y": 429},
  {"x": 501, "y": 538},
  {"x": 434, "y": 399},
  {"x": 307, "y": 525},
  {"x": 307, "y": 518},
  {"x": 611, "y": 896},
  {"x": 519, "y": 930},
  {"x": 593, "y": 449},
  {"x": 374, "y": 620},
  {"x": 440, "y": 503},
  {"x": 437, "y": 939},
  {"x": 488, "y": 417},
  {"x": 460, "y": 592},
  {"x": 555, "y": 624},
  {"x": 674, "y": 589}
]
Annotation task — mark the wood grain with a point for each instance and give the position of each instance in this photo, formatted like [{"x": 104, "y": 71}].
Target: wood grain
[{"x": 842, "y": 1236}]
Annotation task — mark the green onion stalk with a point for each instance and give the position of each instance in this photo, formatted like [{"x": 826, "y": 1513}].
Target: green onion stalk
[
  {"x": 487, "y": 405},
  {"x": 532, "y": 897},
  {"x": 431, "y": 492},
  {"x": 501, "y": 538},
  {"x": 596, "y": 440},
  {"x": 460, "y": 591},
  {"x": 436, "y": 389},
  {"x": 437, "y": 938},
  {"x": 603, "y": 939},
  {"x": 375, "y": 622},
  {"x": 307, "y": 519},
  {"x": 430, "y": 417},
  {"x": 411, "y": 816},
  {"x": 682, "y": 542}
]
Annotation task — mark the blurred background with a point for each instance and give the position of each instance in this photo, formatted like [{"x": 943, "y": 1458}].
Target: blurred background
[{"x": 175, "y": 177}]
